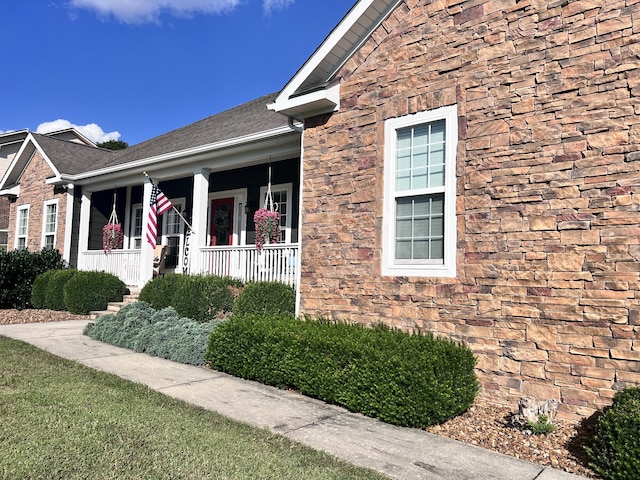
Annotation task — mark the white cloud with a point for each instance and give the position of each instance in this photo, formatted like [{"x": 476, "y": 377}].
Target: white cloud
[
  {"x": 270, "y": 5},
  {"x": 149, "y": 11},
  {"x": 92, "y": 131}
]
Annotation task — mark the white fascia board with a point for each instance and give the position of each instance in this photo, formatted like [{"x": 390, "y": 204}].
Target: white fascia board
[
  {"x": 313, "y": 103},
  {"x": 287, "y": 95},
  {"x": 13, "y": 191},
  {"x": 200, "y": 150}
]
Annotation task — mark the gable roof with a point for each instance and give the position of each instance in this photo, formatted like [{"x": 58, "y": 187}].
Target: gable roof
[
  {"x": 239, "y": 123},
  {"x": 314, "y": 89},
  {"x": 71, "y": 161},
  {"x": 62, "y": 156}
]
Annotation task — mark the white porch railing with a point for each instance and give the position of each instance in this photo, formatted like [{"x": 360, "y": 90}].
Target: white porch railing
[
  {"x": 275, "y": 263},
  {"x": 124, "y": 264}
]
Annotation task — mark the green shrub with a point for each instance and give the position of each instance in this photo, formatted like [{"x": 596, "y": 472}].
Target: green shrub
[
  {"x": 92, "y": 291},
  {"x": 39, "y": 289},
  {"x": 266, "y": 298},
  {"x": 54, "y": 295},
  {"x": 163, "y": 333},
  {"x": 200, "y": 297},
  {"x": 542, "y": 426},
  {"x": 18, "y": 271},
  {"x": 204, "y": 298},
  {"x": 408, "y": 380},
  {"x": 160, "y": 291},
  {"x": 615, "y": 451}
]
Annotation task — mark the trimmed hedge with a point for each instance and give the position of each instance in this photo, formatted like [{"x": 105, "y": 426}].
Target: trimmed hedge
[
  {"x": 615, "y": 451},
  {"x": 48, "y": 289},
  {"x": 163, "y": 333},
  {"x": 18, "y": 271},
  {"x": 87, "y": 291},
  {"x": 403, "y": 379},
  {"x": 200, "y": 297},
  {"x": 160, "y": 291},
  {"x": 266, "y": 298}
]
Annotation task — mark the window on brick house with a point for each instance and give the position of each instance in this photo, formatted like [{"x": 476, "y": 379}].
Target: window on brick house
[
  {"x": 419, "y": 224},
  {"x": 50, "y": 224},
  {"x": 22, "y": 227},
  {"x": 282, "y": 196}
]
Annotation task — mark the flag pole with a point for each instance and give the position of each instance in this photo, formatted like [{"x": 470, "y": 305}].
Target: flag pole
[{"x": 173, "y": 206}]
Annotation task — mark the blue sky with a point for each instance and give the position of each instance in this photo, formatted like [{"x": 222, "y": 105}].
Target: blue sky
[{"x": 134, "y": 69}]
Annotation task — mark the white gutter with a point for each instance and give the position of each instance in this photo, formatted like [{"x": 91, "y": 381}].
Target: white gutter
[{"x": 212, "y": 147}]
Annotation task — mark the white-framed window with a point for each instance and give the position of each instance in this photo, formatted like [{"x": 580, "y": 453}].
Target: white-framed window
[
  {"x": 172, "y": 233},
  {"x": 135, "y": 233},
  {"x": 419, "y": 223},
  {"x": 22, "y": 226},
  {"x": 282, "y": 195},
  {"x": 49, "y": 224}
]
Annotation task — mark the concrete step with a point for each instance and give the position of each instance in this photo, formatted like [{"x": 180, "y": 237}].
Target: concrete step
[{"x": 114, "y": 307}]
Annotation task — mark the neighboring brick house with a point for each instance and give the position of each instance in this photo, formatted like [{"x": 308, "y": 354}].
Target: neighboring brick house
[
  {"x": 39, "y": 209},
  {"x": 472, "y": 168}
]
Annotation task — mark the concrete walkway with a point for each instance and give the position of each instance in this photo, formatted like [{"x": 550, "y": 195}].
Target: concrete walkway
[{"x": 401, "y": 453}]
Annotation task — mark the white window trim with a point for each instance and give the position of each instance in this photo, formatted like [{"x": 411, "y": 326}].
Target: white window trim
[
  {"x": 287, "y": 187},
  {"x": 390, "y": 267},
  {"x": 132, "y": 227},
  {"x": 26, "y": 235},
  {"x": 44, "y": 224},
  {"x": 177, "y": 202}
]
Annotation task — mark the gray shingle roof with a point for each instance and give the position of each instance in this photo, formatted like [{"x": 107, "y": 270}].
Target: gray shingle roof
[
  {"x": 244, "y": 120},
  {"x": 247, "y": 119},
  {"x": 72, "y": 158}
]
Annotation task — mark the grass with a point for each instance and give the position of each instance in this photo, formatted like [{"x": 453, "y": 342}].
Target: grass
[{"x": 62, "y": 420}]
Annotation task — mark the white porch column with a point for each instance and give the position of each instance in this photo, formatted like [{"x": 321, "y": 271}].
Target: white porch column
[
  {"x": 146, "y": 253},
  {"x": 83, "y": 235},
  {"x": 199, "y": 217},
  {"x": 127, "y": 218},
  {"x": 68, "y": 227}
]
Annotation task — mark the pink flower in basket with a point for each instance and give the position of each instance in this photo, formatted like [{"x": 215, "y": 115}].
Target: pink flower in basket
[
  {"x": 112, "y": 237},
  {"x": 267, "y": 227}
]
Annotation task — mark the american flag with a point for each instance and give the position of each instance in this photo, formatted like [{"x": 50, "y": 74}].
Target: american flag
[{"x": 159, "y": 205}]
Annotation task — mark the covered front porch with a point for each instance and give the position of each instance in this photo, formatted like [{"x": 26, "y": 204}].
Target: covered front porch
[{"x": 218, "y": 204}]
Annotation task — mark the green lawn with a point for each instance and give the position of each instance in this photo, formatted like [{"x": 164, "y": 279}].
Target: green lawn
[{"x": 62, "y": 420}]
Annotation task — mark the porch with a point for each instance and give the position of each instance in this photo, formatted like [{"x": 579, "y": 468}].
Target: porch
[
  {"x": 209, "y": 229},
  {"x": 277, "y": 263}
]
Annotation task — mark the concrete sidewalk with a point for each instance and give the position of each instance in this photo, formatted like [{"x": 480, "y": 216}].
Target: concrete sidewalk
[{"x": 401, "y": 453}]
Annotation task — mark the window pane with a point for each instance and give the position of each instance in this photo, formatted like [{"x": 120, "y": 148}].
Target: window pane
[
  {"x": 420, "y": 227},
  {"x": 437, "y": 131},
  {"x": 420, "y": 156}
]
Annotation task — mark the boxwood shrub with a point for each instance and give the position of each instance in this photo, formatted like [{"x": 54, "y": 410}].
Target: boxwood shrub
[
  {"x": 408, "y": 380},
  {"x": 39, "y": 289},
  {"x": 160, "y": 291},
  {"x": 615, "y": 450},
  {"x": 163, "y": 333},
  {"x": 266, "y": 298},
  {"x": 200, "y": 297},
  {"x": 92, "y": 291}
]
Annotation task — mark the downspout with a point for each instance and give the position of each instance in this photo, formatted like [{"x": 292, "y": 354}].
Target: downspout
[
  {"x": 299, "y": 257},
  {"x": 293, "y": 126}
]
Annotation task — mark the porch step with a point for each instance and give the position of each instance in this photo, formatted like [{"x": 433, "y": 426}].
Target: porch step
[{"x": 114, "y": 307}]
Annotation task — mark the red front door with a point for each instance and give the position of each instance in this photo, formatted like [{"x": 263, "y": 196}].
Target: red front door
[{"x": 222, "y": 221}]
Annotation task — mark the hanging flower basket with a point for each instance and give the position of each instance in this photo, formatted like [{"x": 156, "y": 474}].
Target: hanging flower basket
[
  {"x": 112, "y": 237},
  {"x": 267, "y": 227}
]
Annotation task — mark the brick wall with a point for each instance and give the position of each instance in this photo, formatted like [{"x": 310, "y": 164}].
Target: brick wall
[
  {"x": 548, "y": 181},
  {"x": 34, "y": 192}
]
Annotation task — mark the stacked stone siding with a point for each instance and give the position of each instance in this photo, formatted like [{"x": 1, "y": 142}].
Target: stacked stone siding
[
  {"x": 34, "y": 191},
  {"x": 547, "y": 292}
]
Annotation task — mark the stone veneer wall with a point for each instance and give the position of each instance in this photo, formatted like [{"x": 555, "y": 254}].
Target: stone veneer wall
[
  {"x": 547, "y": 292},
  {"x": 34, "y": 192}
]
